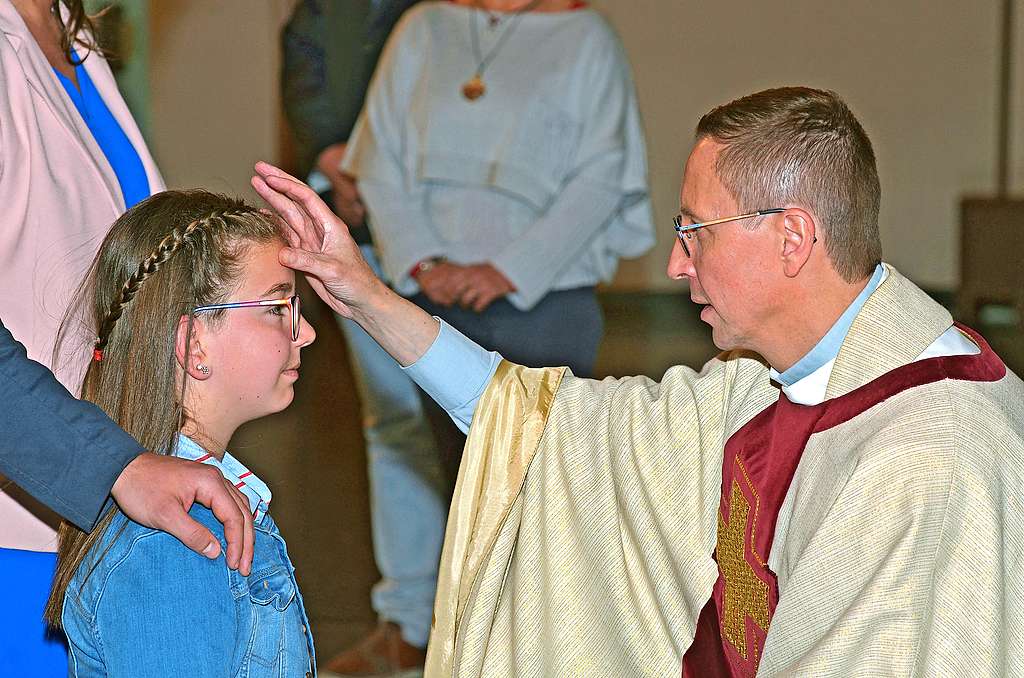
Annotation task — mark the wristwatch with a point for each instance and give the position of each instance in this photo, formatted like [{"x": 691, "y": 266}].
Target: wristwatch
[{"x": 424, "y": 265}]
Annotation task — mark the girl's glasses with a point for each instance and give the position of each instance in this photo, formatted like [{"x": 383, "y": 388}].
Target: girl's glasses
[{"x": 292, "y": 302}]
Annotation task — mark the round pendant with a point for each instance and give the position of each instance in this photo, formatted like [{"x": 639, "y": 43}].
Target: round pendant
[{"x": 474, "y": 88}]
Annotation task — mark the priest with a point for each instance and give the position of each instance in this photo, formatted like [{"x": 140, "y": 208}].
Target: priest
[{"x": 837, "y": 493}]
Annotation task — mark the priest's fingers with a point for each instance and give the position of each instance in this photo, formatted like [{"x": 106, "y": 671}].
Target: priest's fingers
[
  {"x": 265, "y": 169},
  {"x": 295, "y": 211},
  {"x": 299, "y": 193},
  {"x": 300, "y": 231},
  {"x": 315, "y": 264},
  {"x": 341, "y": 284}
]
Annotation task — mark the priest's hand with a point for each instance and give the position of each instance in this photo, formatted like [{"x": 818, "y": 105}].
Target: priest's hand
[
  {"x": 321, "y": 247},
  {"x": 319, "y": 242}
]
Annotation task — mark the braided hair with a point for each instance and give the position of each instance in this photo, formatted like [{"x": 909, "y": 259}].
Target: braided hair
[{"x": 168, "y": 247}]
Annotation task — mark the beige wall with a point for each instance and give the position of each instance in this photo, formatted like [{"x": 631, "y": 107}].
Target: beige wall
[
  {"x": 920, "y": 75},
  {"x": 213, "y": 78}
]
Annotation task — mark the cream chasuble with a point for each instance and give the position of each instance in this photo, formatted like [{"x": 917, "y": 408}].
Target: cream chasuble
[{"x": 585, "y": 521}]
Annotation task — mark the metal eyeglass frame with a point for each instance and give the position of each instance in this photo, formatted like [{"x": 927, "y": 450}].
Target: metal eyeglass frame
[
  {"x": 685, "y": 231},
  {"x": 293, "y": 303}
]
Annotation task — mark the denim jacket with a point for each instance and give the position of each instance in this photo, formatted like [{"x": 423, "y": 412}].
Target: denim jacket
[{"x": 152, "y": 608}]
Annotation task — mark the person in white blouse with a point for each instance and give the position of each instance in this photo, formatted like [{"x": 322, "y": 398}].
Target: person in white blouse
[{"x": 502, "y": 166}]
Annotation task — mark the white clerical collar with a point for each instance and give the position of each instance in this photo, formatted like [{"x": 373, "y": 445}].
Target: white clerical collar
[
  {"x": 811, "y": 389},
  {"x": 247, "y": 482}
]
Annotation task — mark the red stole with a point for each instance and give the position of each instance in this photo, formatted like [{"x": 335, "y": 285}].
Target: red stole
[{"x": 759, "y": 462}]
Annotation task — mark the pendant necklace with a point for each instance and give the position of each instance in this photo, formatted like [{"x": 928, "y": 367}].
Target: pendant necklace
[{"x": 474, "y": 88}]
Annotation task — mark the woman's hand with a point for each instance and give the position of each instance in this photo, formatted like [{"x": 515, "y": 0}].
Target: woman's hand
[
  {"x": 319, "y": 242},
  {"x": 442, "y": 283},
  {"x": 481, "y": 285},
  {"x": 347, "y": 201}
]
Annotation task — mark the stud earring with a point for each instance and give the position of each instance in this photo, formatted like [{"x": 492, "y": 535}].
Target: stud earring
[{"x": 203, "y": 368}]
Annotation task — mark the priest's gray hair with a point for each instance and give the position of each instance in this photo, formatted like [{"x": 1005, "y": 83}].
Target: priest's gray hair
[{"x": 802, "y": 146}]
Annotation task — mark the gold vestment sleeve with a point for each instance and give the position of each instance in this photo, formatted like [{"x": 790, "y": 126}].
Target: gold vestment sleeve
[{"x": 503, "y": 439}]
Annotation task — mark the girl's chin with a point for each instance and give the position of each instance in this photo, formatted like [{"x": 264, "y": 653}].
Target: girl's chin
[
  {"x": 286, "y": 397},
  {"x": 278, "y": 401}
]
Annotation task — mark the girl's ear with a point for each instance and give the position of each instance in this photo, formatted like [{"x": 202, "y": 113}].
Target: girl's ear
[{"x": 191, "y": 357}]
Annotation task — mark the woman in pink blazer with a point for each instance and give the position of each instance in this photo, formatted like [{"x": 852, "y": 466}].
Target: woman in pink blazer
[{"x": 58, "y": 187}]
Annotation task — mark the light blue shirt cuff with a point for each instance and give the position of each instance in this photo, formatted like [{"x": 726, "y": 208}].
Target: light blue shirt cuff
[{"x": 454, "y": 372}]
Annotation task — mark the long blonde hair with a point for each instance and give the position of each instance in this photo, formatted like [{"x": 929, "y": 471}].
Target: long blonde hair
[{"x": 162, "y": 258}]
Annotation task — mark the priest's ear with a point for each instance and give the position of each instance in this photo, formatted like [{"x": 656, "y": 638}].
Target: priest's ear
[
  {"x": 797, "y": 229},
  {"x": 188, "y": 347}
]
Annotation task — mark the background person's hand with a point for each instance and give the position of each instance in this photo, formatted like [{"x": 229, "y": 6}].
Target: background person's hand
[
  {"x": 442, "y": 283},
  {"x": 347, "y": 201},
  {"x": 481, "y": 285},
  {"x": 157, "y": 491}
]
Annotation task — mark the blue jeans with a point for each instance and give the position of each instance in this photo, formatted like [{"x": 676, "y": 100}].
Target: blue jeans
[{"x": 408, "y": 486}]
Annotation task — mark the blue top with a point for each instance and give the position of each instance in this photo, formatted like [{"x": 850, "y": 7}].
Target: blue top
[{"x": 122, "y": 156}]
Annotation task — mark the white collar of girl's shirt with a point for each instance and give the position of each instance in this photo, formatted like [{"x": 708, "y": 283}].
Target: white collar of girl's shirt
[{"x": 247, "y": 482}]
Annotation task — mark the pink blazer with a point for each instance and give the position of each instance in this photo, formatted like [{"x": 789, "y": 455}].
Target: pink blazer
[{"x": 58, "y": 193}]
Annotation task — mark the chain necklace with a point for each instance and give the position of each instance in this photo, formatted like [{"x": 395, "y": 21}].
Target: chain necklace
[{"x": 474, "y": 88}]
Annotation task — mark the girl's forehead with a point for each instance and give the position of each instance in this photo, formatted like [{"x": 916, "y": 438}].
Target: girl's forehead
[{"x": 262, "y": 271}]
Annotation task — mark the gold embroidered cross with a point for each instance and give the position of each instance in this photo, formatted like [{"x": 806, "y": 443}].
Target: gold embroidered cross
[{"x": 745, "y": 595}]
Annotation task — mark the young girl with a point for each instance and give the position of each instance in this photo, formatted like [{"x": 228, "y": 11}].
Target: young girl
[{"x": 198, "y": 331}]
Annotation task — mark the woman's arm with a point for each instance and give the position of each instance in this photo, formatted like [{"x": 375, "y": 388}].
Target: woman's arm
[
  {"x": 594, "y": 191},
  {"x": 376, "y": 156},
  {"x": 70, "y": 455}
]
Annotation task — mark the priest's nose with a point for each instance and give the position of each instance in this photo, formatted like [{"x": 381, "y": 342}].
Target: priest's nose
[{"x": 680, "y": 266}]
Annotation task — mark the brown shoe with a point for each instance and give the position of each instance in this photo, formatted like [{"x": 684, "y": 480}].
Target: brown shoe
[{"x": 381, "y": 654}]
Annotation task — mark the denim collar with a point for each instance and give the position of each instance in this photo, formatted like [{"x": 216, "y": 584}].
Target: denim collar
[
  {"x": 828, "y": 347},
  {"x": 247, "y": 482}
]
